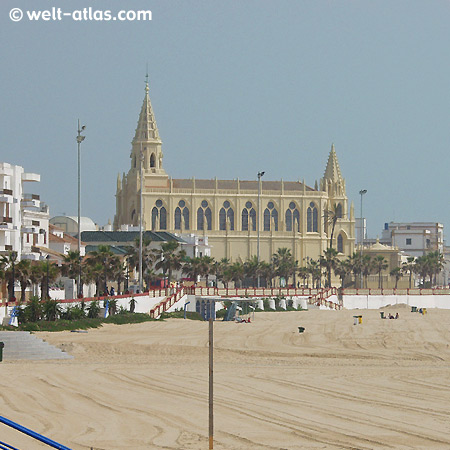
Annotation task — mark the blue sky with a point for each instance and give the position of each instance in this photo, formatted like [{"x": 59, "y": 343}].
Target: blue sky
[{"x": 236, "y": 87}]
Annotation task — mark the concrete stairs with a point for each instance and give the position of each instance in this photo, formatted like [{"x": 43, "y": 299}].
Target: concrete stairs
[{"x": 24, "y": 345}]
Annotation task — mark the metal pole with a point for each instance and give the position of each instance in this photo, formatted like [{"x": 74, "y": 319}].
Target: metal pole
[
  {"x": 260, "y": 174},
  {"x": 211, "y": 385},
  {"x": 361, "y": 193},
  {"x": 141, "y": 157},
  {"x": 80, "y": 139}
]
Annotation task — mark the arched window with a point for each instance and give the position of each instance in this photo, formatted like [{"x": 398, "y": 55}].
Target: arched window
[
  {"x": 159, "y": 211},
  {"x": 226, "y": 213},
  {"x": 339, "y": 211},
  {"x": 182, "y": 210},
  {"x": 248, "y": 217},
  {"x": 204, "y": 212},
  {"x": 154, "y": 217},
  {"x": 292, "y": 218},
  {"x": 270, "y": 213},
  {"x": 152, "y": 160},
  {"x": 340, "y": 244},
  {"x": 312, "y": 218}
]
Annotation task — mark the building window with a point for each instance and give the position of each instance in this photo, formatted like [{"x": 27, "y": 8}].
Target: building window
[
  {"x": 182, "y": 210},
  {"x": 340, "y": 244},
  {"x": 339, "y": 211},
  {"x": 159, "y": 212},
  {"x": 270, "y": 213},
  {"x": 312, "y": 218},
  {"x": 292, "y": 218},
  {"x": 204, "y": 212},
  {"x": 248, "y": 217},
  {"x": 226, "y": 214},
  {"x": 408, "y": 241},
  {"x": 428, "y": 243},
  {"x": 152, "y": 160}
]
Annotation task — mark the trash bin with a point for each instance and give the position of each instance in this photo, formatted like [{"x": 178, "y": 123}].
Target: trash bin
[
  {"x": 359, "y": 319},
  {"x": 2, "y": 344},
  {"x": 355, "y": 320},
  {"x": 382, "y": 315},
  {"x": 414, "y": 309},
  {"x": 301, "y": 329},
  {"x": 424, "y": 311}
]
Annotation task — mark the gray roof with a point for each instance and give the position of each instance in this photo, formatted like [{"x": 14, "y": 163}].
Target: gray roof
[{"x": 112, "y": 237}]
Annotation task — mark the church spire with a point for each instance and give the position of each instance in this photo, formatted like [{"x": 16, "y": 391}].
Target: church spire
[
  {"x": 333, "y": 172},
  {"x": 147, "y": 130}
]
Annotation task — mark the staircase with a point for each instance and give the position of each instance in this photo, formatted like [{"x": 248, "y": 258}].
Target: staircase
[{"x": 24, "y": 345}]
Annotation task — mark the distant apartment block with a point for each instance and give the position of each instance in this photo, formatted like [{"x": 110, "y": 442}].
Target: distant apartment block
[
  {"x": 414, "y": 238},
  {"x": 23, "y": 217}
]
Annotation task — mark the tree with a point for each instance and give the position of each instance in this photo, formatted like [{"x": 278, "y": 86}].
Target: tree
[
  {"x": 380, "y": 264},
  {"x": 409, "y": 268},
  {"x": 252, "y": 269},
  {"x": 331, "y": 217},
  {"x": 101, "y": 263},
  {"x": 237, "y": 273},
  {"x": 366, "y": 267},
  {"x": 192, "y": 268},
  {"x": 342, "y": 270},
  {"x": 268, "y": 272},
  {"x": 207, "y": 266},
  {"x": 304, "y": 275},
  {"x": 397, "y": 273},
  {"x": 170, "y": 258},
  {"x": 315, "y": 270},
  {"x": 223, "y": 272},
  {"x": 23, "y": 275},
  {"x": 284, "y": 263},
  {"x": 71, "y": 266},
  {"x": 329, "y": 261}
]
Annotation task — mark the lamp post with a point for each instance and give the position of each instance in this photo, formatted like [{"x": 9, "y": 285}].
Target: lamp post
[
  {"x": 13, "y": 258},
  {"x": 141, "y": 157},
  {"x": 361, "y": 193},
  {"x": 80, "y": 139},
  {"x": 260, "y": 175},
  {"x": 46, "y": 284}
]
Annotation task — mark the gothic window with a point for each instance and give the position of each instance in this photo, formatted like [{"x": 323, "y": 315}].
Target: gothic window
[
  {"x": 270, "y": 213},
  {"x": 159, "y": 212},
  {"x": 226, "y": 213},
  {"x": 339, "y": 211},
  {"x": 182, "y": 210},
  {"x": 340, "y": 244},
  {"x": 152, "y": 160},
  {"x": 204, "y": 213},
  {"x": 312, "y": 218},
  {"x": 248, "y": 217},
  {"x": 292, "y": 218}
]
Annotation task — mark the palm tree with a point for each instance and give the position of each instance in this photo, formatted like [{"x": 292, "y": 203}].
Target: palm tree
[
  {"x": 329, "y": 261},
  {"x": 366, "y": 267},
  {"x": 46, "y": 273},
  {"x": 192, "y": 268},
  {"x": 409, "y": 267},
  {"x": 355, "y": 265},
  {"x": 331, "y": 216},
  {"x": 170, "y": 258},
  {"x": 105, "y": 258},
  {"x": 207, "y": 266},
  {"x": 397, "y": 273},
  {"x": 252, "y": 268},
  {"x": 284, "y": 263},
  {"x": 23, "y": 275},
  {"x": 303, "y": 274},
  {"x": 9, "y": 267},
  {"x": 71, "y": 266},
  {"x": 380, "y": 264},
  {"x": 268, "y": 272},
  {"x": 342, "y": 270},
  {"x": 237, "y": 273},
  {"x": 315, "y": 270},
  {"x": 223, "y": 271}
]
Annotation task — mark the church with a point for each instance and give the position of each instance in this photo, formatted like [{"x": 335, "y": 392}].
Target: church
[{"x": 237, "y": 216}]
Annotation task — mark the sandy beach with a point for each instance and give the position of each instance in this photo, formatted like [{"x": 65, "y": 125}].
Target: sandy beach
[{"x": 380, "y": 384}]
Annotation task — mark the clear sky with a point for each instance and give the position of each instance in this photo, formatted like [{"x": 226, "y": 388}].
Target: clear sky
[{"x": 237, "y": 87}]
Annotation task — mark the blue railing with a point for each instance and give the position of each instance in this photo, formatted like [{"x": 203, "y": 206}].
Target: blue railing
[
  {"x": 30, "y": 433},
  {"x": 5, "y": 446}
]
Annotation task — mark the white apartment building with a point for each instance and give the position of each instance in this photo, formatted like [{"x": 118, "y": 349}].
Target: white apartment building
[
  {"x": 414, "y": 238},
  {"x": 23, "y": 217}
]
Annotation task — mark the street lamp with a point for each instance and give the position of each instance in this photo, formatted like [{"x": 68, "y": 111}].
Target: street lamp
[
  {"x": 48, "y": 291},
  {"x": 80, "y": 139},
  {"x": 361, "y": 193},
  {"x": 141, "y": 209},
  {"x": 260, "y": 174},
  {"x": 13, "y": 258}
]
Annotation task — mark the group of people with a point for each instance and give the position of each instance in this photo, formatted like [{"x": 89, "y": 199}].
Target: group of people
[{"x": 393, "y": 317}]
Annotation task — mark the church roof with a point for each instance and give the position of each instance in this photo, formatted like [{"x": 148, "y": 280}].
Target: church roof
[
  {"x": 245, "y": 185},
  {"x": 332, "y": 171},
  {"x": 147, "y": 129},
  {"x": 111, "y": 237}
]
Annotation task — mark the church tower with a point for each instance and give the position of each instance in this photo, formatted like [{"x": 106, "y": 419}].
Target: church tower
[{"x": 332, "y": 181}]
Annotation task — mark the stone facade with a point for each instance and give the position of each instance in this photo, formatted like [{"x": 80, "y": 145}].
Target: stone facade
[{"x": 226, "y": 211}]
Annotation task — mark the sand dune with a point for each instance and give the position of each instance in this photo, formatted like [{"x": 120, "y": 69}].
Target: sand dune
[{"x": 381, "y": 384}]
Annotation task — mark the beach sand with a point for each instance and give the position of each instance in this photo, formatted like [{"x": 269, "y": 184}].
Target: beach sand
[{"x": 380, "y": 384}]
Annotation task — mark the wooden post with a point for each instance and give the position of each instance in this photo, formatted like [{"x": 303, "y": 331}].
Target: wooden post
[{"x": 211, "y": 410}]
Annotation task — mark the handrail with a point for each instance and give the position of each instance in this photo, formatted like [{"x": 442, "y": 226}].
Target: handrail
[
  {"x": 33, "y": 434},
  {"x": 166, "y": 303}
]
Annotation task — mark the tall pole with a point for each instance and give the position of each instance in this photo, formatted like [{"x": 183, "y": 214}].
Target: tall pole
[
  {"x": 361, "y": 193},
  {"x": 211, "y": 385},
  {"x": 80, "y": 139},
  {"x": 141, "y": 157},
  {"x": 260, "y": 174}
]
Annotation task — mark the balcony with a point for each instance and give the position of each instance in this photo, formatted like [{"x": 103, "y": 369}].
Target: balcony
[
  {"x": 6, "y": 196},
  {"x": 28, "y": 229},
  {"x": 6, "y": 219}
]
